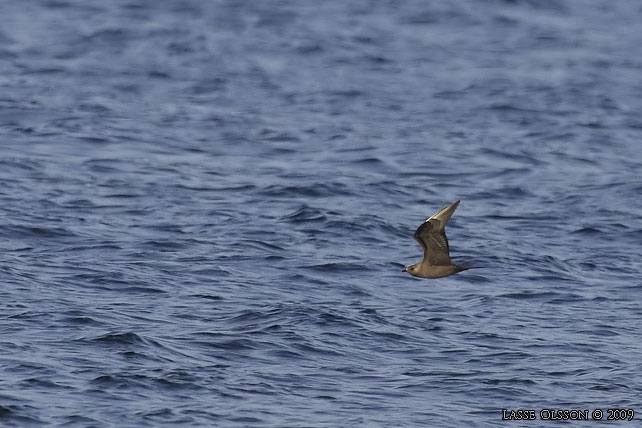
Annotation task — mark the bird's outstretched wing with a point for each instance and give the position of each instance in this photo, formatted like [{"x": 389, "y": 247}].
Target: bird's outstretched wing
[{"x": 431, "y": 235}]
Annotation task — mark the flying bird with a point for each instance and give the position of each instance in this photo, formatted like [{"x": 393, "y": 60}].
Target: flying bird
[{"x": 431, "y": 235}]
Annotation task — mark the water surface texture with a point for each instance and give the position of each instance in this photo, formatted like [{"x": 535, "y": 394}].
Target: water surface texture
[{"x": 205, "y": 208}]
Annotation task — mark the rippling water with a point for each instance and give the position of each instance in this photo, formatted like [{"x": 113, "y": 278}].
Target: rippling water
[{"x": 206, "y": 206}]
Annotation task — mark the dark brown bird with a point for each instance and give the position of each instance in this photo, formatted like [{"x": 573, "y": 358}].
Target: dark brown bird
[{"x": 431, "y": 235}]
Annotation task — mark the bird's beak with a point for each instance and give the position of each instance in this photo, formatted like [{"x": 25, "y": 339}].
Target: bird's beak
[{"x": 405, "y": 270}]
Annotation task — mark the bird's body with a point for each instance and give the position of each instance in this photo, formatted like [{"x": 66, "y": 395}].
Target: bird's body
[
  {"x": 425, "y": 271},
  {"x": 431, "y": 235}
]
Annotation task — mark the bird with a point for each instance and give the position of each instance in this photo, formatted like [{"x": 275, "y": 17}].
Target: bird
[{"x": 431, "y": 235}]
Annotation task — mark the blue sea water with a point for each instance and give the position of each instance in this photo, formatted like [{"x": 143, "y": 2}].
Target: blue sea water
[{"x": 205, "y": 208}]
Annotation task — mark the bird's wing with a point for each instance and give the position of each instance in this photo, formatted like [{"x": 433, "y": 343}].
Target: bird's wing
[
  {"x": 444, "y": 214},
  {"x": 434, "y": 242},
  {"x": 431, "y": 235}
]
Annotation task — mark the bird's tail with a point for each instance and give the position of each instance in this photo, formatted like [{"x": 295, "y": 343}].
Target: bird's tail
[{"x": 466, "y": 267}]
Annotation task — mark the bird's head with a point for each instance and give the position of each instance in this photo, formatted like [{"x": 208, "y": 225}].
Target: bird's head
[{"x": 411, "y": 269}]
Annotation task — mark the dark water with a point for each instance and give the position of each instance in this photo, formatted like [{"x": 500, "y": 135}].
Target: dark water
[{"x": 205, "y": 207}]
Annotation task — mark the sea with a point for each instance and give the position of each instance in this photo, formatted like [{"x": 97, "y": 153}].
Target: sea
[{"x": 206, "y": 207}]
